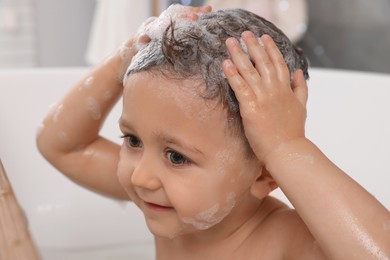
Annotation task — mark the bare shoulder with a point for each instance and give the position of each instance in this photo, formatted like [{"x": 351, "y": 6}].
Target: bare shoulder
[{"x": 286, "y": 231}]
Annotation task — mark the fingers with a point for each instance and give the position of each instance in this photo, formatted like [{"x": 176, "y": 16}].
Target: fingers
[
  {"x": 259, "y": 55},
  {"x": 268, "y": 62},
  {"x": 203, "y": 9},
  {"x": 276, "y": 57},
  {"x": 267, "y": 56},
  {"x": 299, "y": 87},
  {"x": 242, "y": 90},
  {"x": 264, "y": 70},
  {"x": 242, "y": 64}
]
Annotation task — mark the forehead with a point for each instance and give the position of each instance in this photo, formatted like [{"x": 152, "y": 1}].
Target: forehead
[
  {"x": 163, "y": 105},
  {"x": 186, "y": 94}
]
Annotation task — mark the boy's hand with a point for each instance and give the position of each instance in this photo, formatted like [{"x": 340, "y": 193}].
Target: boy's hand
[
  {"x": 273, "y": 110},
  {"x": 155, "y": 26}
]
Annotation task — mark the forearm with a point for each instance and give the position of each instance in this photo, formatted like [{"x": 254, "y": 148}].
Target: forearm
[
  {"x": 75, "y": 120},
  {"x": 69, "y": 137},
  {"x": 346, "y": 220}
]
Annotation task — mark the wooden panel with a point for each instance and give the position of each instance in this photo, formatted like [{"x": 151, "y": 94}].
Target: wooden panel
[{"x": 15, "y": 239}]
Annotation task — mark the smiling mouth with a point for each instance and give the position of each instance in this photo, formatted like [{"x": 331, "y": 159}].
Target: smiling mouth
[{"x": 156, "y": 207}]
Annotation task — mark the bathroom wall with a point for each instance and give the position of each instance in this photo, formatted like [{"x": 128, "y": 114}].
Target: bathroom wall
[
  {"x": 18, "y": 33},
  {"x": 348, "y": 34},
  {"x": 44, "y": 33},
  {"x": 63, "y": 31}
]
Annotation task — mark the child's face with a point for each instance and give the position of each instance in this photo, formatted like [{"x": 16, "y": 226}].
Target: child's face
[{"x": 179, "y": 162}]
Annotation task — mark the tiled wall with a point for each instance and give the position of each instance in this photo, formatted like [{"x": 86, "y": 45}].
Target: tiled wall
[
  {"x": 18, "y": 34},
  {"x": 349, "y": 34}
]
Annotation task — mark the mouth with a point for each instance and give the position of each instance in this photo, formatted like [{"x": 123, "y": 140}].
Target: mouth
[{"x": 157, "y": 207}]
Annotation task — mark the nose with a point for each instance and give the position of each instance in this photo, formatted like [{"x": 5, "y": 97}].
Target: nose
[{"x": 145, "y": 174}]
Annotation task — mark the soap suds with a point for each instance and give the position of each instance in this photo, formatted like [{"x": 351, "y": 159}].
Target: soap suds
[
  {"x": 88, "y": 82},
  {"x": 40, "y": 129},
  {"x": 208, "y": 218},
  {"x": 89, "y": 152},
  {"x": 57, "y": 113},
  {"x": 94, "y": 108},
  {"x": 107, "y": 95},
  {"x": 243, "y": 45}
]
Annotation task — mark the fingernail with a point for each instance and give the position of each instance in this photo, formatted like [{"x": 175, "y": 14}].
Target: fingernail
[
  {"x": 206, "y": 8},
  {"x": 247, "y": 34},
  {"x": 228, "y": 63},
  {"x": 266, "y": 37},
  {"x": 232, "y": 41}
]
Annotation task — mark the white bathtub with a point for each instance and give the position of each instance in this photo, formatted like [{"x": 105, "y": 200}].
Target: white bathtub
[{"x": 349, "y": 119}]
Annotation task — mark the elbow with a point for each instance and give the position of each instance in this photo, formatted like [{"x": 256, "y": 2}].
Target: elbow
[
  {"x": 45, "y": 143},
  {"x": 41, "y": 141}
]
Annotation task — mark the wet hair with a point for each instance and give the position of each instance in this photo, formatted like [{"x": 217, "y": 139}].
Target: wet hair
[{"x": 196, "y": 49}]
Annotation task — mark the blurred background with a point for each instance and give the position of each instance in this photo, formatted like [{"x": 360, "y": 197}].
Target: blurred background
[{"x": 348, "y": 34}]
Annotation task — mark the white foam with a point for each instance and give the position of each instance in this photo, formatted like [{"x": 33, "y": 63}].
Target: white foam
[
  {"x": 210, "y": 217},
  {"x": 94, "y": 108},
  {"x": 243, "y": 45},
  {"x": 159, "y": 25},
  {"x": 57, "y": 113},
  {"x": 89, "y": 152},
  {"x": 40, "y": 128},
  {"x": 107, "y": 95},
  {"x": 124, "y": 52},
  {"x": 89, "y": 81}
]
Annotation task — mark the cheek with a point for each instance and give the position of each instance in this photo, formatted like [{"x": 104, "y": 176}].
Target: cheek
[
  {"x": 125, "y": 170},
  {"x": 209, "y": 214},
  {"x": 202, "y": 202}
]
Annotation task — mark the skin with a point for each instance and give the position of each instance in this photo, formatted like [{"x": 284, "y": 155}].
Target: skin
[
  {"x": 347, "y": 225},
  {"x": 334, "y": 217}
]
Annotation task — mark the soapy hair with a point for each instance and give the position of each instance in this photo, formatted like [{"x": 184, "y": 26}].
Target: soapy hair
[{"x": 196, "y": 49}]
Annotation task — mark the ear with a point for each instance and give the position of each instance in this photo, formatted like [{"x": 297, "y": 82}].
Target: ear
[{"x": 263, "y": 184}]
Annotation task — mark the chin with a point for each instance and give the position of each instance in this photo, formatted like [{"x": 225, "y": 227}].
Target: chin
[{"x": 163, "y": 230}]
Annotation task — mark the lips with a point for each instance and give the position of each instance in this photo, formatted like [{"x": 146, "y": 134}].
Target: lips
[{"x": 157, "y": 207}]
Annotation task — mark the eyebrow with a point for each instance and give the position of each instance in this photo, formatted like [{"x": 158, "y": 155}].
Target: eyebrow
[
  {"x": 172, "y": 140},
  {"x": 123, "y": 122}
]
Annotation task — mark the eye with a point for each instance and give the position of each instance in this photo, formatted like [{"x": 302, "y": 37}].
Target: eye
[
  {"x": 176, "y": 158},
  {"x": 132, "y": 141}
]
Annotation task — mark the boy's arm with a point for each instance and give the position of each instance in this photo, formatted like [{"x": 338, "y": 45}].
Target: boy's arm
[
  {"x": 346, "y": 221},
  {"x": 69, "y": 138}
]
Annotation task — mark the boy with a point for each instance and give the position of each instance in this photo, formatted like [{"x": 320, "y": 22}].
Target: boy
[{"x": 199, "y": 159}]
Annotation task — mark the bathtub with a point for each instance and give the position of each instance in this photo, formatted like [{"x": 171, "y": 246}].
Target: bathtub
[{"x": 348, "y": 118}]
